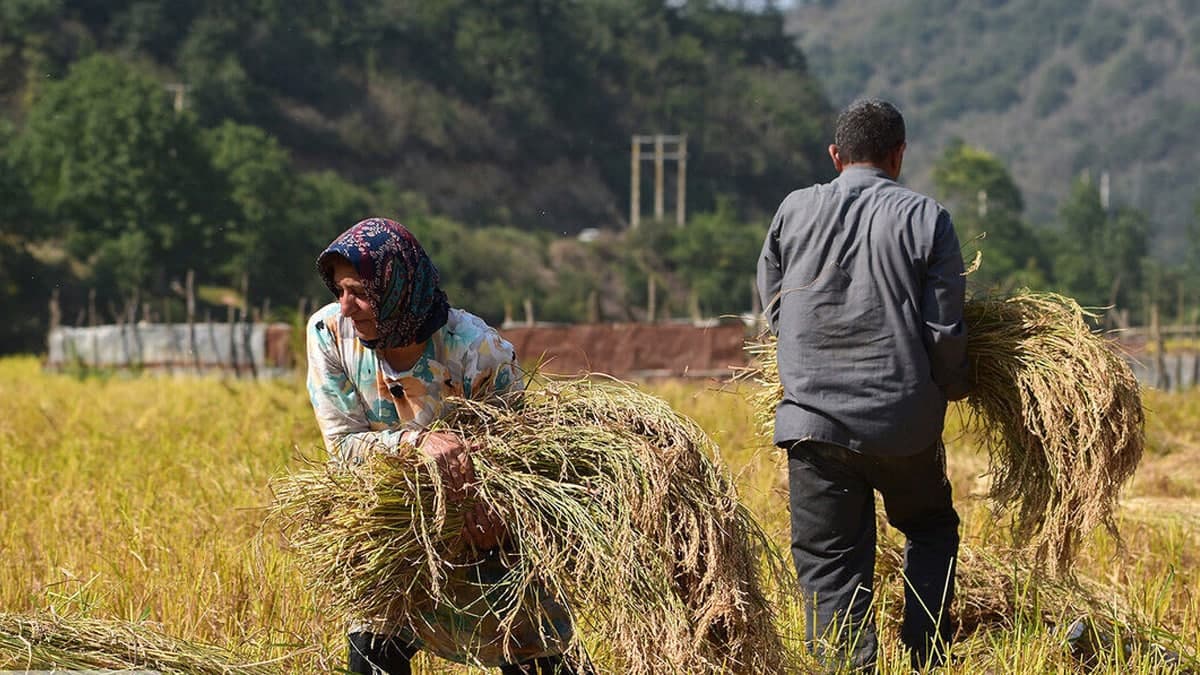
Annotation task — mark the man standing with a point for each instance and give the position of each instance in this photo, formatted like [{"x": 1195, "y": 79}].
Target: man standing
[{"x": 863, "y": 284}]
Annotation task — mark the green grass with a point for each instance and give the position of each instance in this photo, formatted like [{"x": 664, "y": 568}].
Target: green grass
[{"x": 142, "y": 500}]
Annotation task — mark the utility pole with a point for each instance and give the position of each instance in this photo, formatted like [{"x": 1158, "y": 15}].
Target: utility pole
[
  {"x": 179, "y": 90},
  {"x": 667, "y": 147},
  {"x": 635, "y": 181}
]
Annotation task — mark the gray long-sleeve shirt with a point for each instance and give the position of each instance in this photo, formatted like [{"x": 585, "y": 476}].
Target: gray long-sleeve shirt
[{"x": 863, "y": 283}]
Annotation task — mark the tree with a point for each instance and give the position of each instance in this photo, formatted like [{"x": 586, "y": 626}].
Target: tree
[
  {"x": 325, "y": 205},
  {"x": 964, "y": 170},
  {"x": 219, "y": 86},
  {"x": 715, "y": 255},
  {"x": 121, "y": 175},
  {"x": 25, "y": 281},
  {"x": 16, "y": 219},
  {"x": 986, "y": 206},
  {"x": 1192, "y": 252},
  {"x": 1101, "y": 254},
  {"x": 257, "y": 228}
]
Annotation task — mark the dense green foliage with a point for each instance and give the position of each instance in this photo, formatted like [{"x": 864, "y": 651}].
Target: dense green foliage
[
  {"x": 123, "y": 178},
  {"x": 1096, "y": 254},
  {"x": 497, "y": 112},
  {"x": 490, "y": 128},
  {"x": 987, "y": 210}
]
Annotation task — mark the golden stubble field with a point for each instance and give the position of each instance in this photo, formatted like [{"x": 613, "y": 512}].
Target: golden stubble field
[{"x": 142, "y": 500}]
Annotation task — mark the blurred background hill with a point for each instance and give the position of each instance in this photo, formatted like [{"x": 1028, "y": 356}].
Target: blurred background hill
[
  {"x": 493, "y": 112},
  {"x": 1054, "y": 89}
]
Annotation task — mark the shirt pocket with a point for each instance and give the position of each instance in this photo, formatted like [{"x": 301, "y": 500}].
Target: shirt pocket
[{"x": 834, "y": 309}]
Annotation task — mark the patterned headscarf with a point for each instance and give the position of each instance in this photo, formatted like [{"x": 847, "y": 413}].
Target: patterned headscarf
[{"x": 401, "y": 282}]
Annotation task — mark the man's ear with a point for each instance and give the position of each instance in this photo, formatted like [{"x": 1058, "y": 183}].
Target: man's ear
[
  {"x": 836, "y": 157},
  {"x": 896, "y": 161}
]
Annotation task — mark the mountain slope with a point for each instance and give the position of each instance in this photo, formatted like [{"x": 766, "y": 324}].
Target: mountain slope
[{"x": 1054, "y": 89}]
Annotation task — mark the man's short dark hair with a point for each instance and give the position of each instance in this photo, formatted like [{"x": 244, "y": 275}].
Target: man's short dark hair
[{"x": 868, "y": 131}]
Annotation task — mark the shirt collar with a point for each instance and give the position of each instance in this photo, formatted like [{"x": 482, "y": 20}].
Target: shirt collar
[{"x": 860, "y": 171}]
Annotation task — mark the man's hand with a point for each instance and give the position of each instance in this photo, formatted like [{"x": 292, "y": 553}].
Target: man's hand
[{"x": 482, "y": 526}]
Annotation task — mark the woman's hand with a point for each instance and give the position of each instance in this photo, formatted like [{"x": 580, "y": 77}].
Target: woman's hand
[
  {"x": 482, "y": 526},
  {"x": 453, "y": 461}
]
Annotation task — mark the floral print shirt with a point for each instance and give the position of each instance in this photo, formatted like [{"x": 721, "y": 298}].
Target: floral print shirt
[
  {"x": 361, "y": 403},
  {"x": 360, "y": 400}
]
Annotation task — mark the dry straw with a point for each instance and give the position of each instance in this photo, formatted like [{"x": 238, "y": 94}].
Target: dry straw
[
  {"x": 1061, "y": 414},
  {"x": 615, "y": 504},
  {"x": 1058, "y": 409},
  {"x": 52, "y": 642},
  {"x": 996, "y": 590}
]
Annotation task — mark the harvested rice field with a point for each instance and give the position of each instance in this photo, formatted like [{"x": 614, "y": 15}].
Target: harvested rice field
[{"x": 132, "y": 532}]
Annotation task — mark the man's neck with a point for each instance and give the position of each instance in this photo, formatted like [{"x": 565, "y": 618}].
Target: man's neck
[{"x": 870, "y": 166}]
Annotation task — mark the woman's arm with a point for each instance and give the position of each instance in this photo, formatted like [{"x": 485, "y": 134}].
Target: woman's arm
[
  {"x": 339, "y": 411},
  {"x": 343, "y": 422}
]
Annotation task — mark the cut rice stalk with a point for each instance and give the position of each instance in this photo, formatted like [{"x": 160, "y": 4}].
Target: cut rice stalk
[{"x": 53, "y": 642}]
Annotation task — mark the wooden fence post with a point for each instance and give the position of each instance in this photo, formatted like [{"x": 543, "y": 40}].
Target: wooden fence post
[
  {"x": 249, "y": 319},
  {"x": 190, "y": 289},
  {"x": 233, "y": 360},
  {"x": 247, "y": 325},
  {"x": 651, "y": 297},
  {"x": 55, "y": 317},
  {"x": 694, "y": 306},
  {"x": 212, "y": 338},
  {"x": 593, "y": 307},
  {"x": 1161, "y": 379},
  {"x": 134, "y": 304},
  {"x": 1195, "y": 348}
]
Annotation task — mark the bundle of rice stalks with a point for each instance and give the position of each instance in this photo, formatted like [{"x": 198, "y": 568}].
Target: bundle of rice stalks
[
  {"x": 1061, "y": 415},
  {"x": 615, "y": 505},
  {"x": 52, "y": 642},
  {"x": 1057, "y": 407}
]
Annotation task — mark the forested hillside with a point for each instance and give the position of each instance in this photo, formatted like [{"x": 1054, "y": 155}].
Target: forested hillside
[
  {"x": 140, "y": 139},
  {"x": 1053, "y": 88},
  {"x": 493, "y": 111}
]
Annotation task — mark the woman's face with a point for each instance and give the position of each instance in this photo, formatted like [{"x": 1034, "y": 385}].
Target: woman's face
[{"x": 353, "y": 299}]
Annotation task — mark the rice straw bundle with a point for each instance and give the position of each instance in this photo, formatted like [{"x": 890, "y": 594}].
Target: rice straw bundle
[
  {"x": 614, "y": 505},
  {"x": 1060, "y": 412},
  {"x": 1058, "y": 408},
  {"x": 49, "y": 641}
]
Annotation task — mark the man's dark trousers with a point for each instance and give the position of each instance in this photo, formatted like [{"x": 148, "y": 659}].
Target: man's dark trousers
[{"x": 832, "y": 493}]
